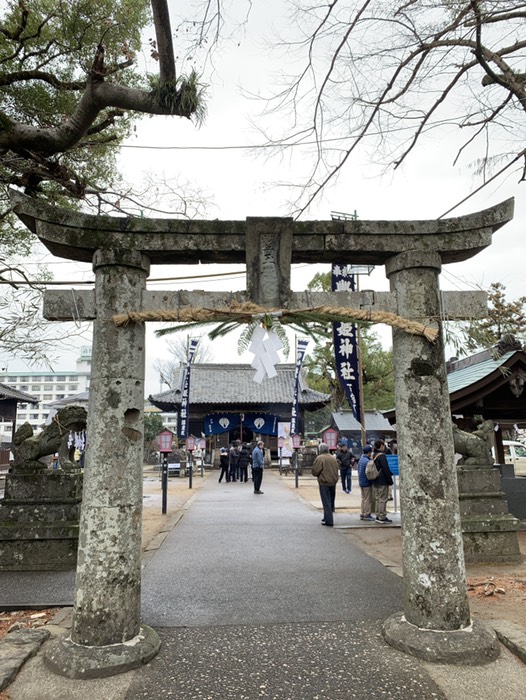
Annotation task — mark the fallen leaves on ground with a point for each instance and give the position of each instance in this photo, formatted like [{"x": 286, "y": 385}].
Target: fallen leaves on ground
[{"x": 20, "y": 619}]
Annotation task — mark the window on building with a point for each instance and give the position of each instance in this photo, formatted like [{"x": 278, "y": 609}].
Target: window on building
[
  {"x": 36, "y": 387},
  {"x": 61, "y": 387},
  {"x": 72, "y": 379},
  {"x": 34, "y": 416},
  {"x": 22, "y": 405},
  {"x": 47, "y": 397},
  {"x": 73, "y": 387},
  {"x": 60, "y": 396},
  {"x": 49, "y": 379},
  {"x": 24, "y": 387},
  {"x": 48, "y": 387},
  {"x": 36, "y": 379}
]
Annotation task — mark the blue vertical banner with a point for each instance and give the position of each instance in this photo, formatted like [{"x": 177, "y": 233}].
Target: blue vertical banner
[
  {"x": 184, "y": 413},
  {"x": 301, "y": 347},
  {"x": 345, "y": 337}
]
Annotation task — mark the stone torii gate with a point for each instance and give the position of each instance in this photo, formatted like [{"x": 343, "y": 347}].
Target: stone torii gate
[{"x": 107, "y": 636}]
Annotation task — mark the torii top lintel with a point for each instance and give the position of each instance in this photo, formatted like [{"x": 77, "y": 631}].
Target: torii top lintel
[{"x": 77, "y": 236}]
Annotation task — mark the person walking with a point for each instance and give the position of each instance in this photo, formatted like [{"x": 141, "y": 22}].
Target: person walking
[
  {"x": 257, "y": 466},
  {"x": 223, "y": 463},
  {"x": 366, "y": 486},
  {"x": 325, "y": 468},
  {"x": 346, "y": 461},
  {"x": 382, "y": 482}
]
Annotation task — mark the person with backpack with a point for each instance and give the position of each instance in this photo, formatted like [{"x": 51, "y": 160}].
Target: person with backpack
[
  {"x": 382, "y": 482},
  {"x": 366, "y": 486}
]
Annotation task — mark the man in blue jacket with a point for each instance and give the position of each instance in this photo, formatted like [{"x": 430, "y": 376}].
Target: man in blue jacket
[{"x": 257, "y": 466}]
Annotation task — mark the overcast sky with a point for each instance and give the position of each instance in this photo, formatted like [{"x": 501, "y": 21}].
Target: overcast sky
[{"x": 240, "y": 181}]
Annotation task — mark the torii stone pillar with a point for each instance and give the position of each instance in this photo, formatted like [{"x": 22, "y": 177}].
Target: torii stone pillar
[
  {"x": 436, "y": 623},
  {"x": 107, "y": 636}
]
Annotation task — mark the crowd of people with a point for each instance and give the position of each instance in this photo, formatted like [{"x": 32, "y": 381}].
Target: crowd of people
[
  {"x": 328, "y": 468},
  {"x": 234, "y": 463}
]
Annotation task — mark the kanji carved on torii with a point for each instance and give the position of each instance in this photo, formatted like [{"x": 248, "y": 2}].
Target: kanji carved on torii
[{"x": 435, "y": 622}]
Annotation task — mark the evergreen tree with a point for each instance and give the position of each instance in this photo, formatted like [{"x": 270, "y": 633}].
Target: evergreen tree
[{"x": 504, "y": 319}]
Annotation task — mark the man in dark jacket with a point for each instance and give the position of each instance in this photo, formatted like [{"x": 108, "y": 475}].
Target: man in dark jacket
[
  {"x": 382, "y": 483},
  {"x": 233, "y": 458},
  {"x": 346, "y": 461},
  {"x": 244, "y": 461},
  {"x": 258, "y": 462},
  {"x": 223, "y": 463},
  {"x": 325, "y": 467}
]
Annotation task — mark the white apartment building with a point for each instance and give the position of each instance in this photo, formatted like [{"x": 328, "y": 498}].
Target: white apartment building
[{"x": 48, "y": 387}]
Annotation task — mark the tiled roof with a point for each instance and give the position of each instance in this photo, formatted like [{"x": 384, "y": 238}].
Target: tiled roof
[
  {"x": 75, "y": 400},
  {"x": 374, "y": 421},
  {"x": 466, "y": 376},
  {"x": 233, "y": 384},
  {"x": 9, "y": 392}
]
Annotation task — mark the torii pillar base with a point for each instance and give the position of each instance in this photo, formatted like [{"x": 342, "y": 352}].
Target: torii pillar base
[
  {"x": 66, "y": 658},
  {"x": 472, "y": 646}
]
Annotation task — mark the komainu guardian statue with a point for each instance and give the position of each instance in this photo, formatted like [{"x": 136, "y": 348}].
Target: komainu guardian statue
[
  {"x": 474, "y": 447},
  {"x": 28, "y": 449}
]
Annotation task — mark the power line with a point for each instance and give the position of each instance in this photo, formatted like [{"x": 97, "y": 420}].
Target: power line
[{"x": 239, "y": 147}]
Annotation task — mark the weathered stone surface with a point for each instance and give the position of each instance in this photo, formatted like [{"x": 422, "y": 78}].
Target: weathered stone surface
[
  {"x": 435, "y": 594},
  {"x": 29, "y": 448},
  {"x": 49, "y": 486},
  {"x": 268, "y": 258},
  {"x": 35, "y": 515},
  {"x": 513, "y": 636},
  {"x": 39, "y": 521},
  {"x": 77, "y": 236},
  {"x": 474, "y": 447},
  {"x": 473, "y": 645},
  {"x": 77, "y": 661},
  {"x": 108, "y": 583},
  {"x": 489, "y": 531},
  {"x": 40, "y": 555},
  {"x": 71, "y": 305},
  {"x": 15, "y": 649}
]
